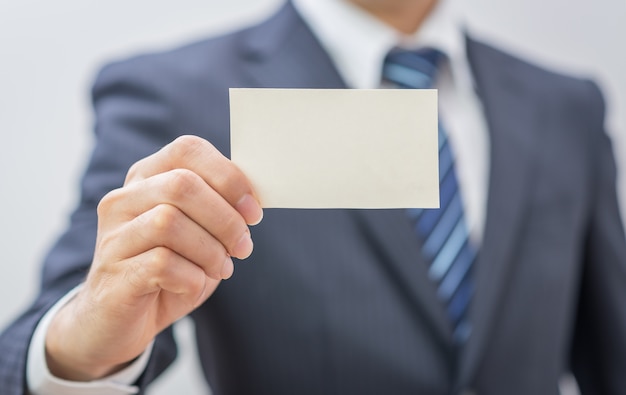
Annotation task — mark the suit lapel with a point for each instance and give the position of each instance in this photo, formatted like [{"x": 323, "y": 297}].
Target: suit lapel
[
  {"x": 512, "y": 121},
  {"x": 283, "y": 53}
]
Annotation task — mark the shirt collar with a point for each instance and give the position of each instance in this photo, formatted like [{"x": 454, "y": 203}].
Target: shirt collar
[{"x": 357, "y": 42}]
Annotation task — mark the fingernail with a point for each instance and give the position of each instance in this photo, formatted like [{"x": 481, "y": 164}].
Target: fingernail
[
  {"x": 244, "y": 246},
  {"x": 250, "y": 209},
  {"x": 227, "y": 268}
]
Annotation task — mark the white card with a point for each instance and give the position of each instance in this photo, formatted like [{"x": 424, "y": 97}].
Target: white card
[{"x": 337, "y": 148}]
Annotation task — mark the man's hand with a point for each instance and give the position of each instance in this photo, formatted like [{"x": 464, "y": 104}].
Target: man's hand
[{"x": 165, "y": 241}]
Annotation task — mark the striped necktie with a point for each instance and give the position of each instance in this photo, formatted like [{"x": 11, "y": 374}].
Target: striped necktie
[{"x": 443, "y": 231}]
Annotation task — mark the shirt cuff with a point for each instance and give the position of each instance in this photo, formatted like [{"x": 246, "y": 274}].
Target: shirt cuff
[{"x": 41, "y": 382}]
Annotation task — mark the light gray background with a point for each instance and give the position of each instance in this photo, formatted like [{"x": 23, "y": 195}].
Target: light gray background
[{"x": 50, "y": 50}]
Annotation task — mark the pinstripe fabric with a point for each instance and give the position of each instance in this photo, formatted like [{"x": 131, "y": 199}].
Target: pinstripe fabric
[
  {"x": 14, "y": 345},
  {"x": 443, "y": 231}
]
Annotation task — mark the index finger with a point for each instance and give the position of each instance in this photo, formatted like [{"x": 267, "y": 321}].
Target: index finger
[{"x": 198, "y": 155}]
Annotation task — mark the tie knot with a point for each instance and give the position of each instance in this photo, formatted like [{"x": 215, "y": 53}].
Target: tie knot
[{"x": 412, "y": 69}]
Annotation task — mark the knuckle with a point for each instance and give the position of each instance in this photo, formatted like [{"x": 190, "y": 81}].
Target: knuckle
[
  {"x": 136, "y": 273},
  {"x": 133, "y": 171},
  {"x": 148, "y": 270},
  {"x": 108, "y": 201},
  {"x": 161, "y": 258},
  {"x": 163, "y": 220},
  {"x": 106, "y": 241},
  {"x": 225, "y": 176},
  {"x": 182, "y": 183},
  {"x": 186, "y": 145}
]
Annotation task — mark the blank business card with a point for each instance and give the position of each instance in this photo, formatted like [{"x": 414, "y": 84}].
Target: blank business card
[{"x": 337, "y": 148}]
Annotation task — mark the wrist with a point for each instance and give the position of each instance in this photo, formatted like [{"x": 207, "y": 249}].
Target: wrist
[{"x": 67, "y": 354}]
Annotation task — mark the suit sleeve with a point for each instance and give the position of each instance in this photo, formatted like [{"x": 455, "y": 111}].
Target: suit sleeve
[
  {"x": 599, "y": 345},
  {"x": 133, "y": 120}
]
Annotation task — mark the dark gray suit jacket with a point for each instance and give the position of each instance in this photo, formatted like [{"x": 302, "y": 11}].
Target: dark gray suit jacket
[{"x": 338, "y": 301}]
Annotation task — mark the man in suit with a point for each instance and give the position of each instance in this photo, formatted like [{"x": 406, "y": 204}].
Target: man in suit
[{"x": 332, "y": 301}]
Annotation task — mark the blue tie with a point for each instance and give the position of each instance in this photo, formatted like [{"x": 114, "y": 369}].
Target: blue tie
[{"x": 443, "y": 231}]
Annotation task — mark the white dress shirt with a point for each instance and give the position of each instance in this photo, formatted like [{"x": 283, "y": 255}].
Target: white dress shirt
[{"x": 357, "y": 44}]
